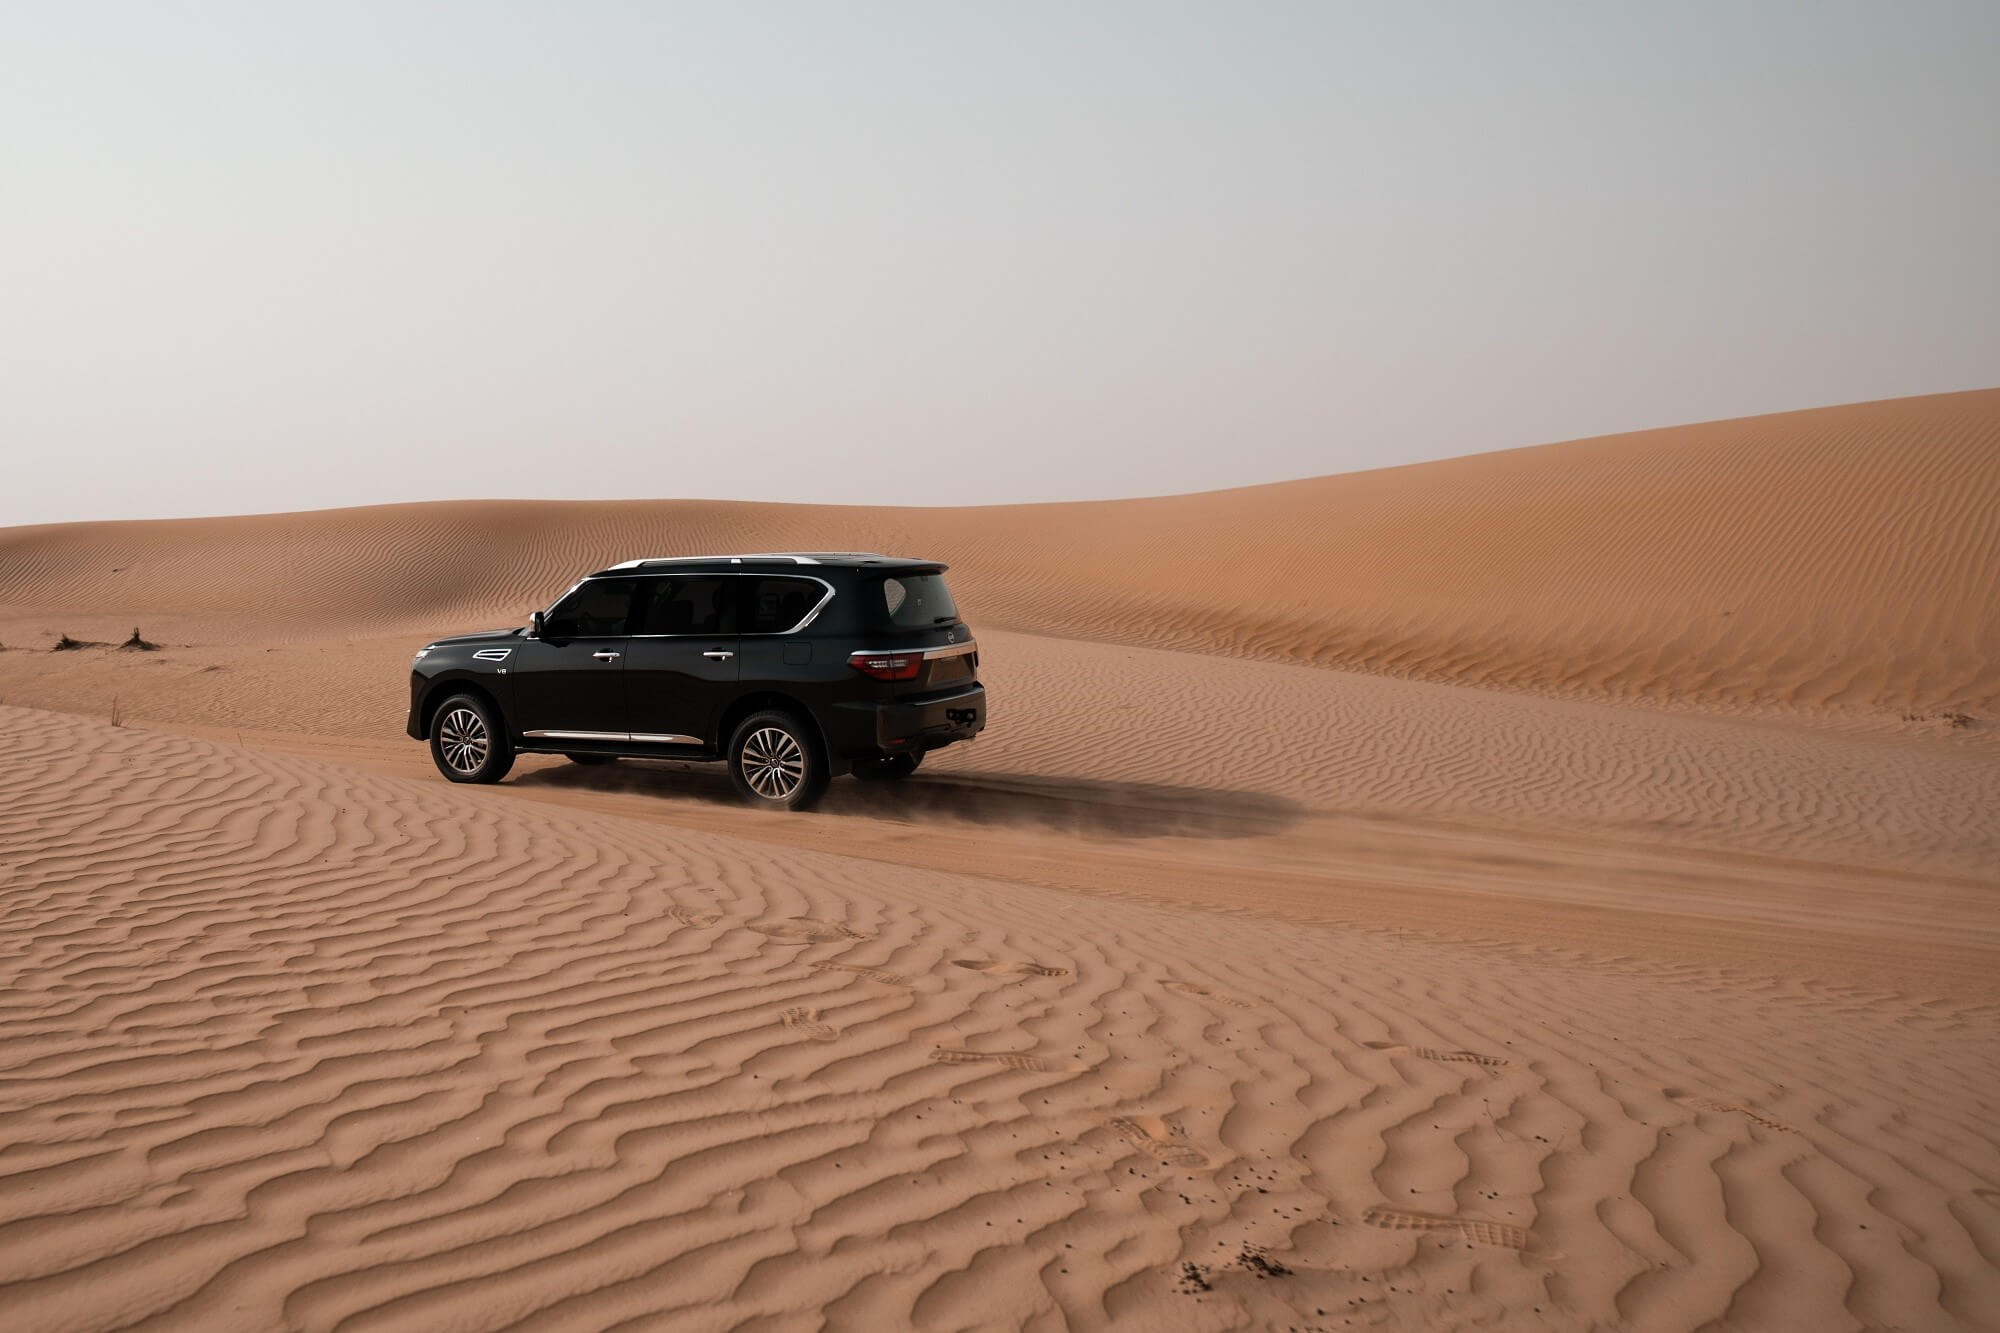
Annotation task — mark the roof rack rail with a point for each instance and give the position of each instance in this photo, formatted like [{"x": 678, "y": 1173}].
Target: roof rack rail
[{"x": 795, "y": 557}]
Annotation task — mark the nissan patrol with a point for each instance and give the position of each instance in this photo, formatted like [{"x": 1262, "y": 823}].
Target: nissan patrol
[{"x": 791, "y": 668}]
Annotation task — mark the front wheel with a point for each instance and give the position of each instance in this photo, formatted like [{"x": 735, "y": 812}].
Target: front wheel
[
  {"x": 468, "y": 742},
  {"x": 776, "y": 762},
  {"x": 887, "y": 767}
]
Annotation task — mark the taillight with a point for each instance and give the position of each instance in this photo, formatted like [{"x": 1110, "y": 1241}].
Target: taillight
[{"x": 887, "y": 666}]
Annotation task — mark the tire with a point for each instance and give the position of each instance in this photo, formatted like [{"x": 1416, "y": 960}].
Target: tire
[
  {"x": 887, "y": 767},
  {"x": 776, "y": 761},
  {"x": 591, "y": 760},
  {"x": 469, "y": 741}
]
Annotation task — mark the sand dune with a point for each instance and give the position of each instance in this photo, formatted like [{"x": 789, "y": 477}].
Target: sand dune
[
  {"x": 1552, "y": 889},
  {"x": 1846, "y": 556},
  {"x": 290, "y": 1044}
]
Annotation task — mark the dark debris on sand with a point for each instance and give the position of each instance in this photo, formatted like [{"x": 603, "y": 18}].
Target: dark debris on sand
[{"x": 1254, "y": 1260}]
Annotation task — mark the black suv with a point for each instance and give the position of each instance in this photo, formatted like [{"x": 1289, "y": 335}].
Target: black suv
[{"x": 791, "y": 668}]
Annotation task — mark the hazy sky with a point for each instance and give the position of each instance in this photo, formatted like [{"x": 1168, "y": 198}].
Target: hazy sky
[{"x": 274, "y": 256}]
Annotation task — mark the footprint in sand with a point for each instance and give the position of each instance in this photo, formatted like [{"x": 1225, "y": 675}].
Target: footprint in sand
[
  {"x": 1750, "y": 1113},
  {"x": 807, "y": 1021},
  {"x": 1220, "y": 997},
  {"x": 1159, "y": 1139},
  {"x": 882, "y": 975},
  {"x": 1432, "y": 1053},
  {"x": 806, "y": 928},
  {"x": 693, "y": 917},
  {"x": 992, "y": 968},
  {"x": 1503, "y": 1235},
  {"x": 952, "y": 1055}
]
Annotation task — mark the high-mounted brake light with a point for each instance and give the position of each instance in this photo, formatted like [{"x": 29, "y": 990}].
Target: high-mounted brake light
[{"x": 887, "y": 666}]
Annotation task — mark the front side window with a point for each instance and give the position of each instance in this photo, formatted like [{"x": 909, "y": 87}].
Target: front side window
[
  {"x": 776, "y": 605},
  {"x": 690, "y": 606},
  {"x": 600, "y": 609},
  {"x": 909, "y": 601}
]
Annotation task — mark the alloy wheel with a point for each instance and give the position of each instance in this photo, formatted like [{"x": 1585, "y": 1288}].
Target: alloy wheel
[
  {"x": 774, "y": 763},
  {"x": 463, "y": 740}
]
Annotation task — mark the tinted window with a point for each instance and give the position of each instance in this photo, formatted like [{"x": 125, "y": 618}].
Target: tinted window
[
  {"x": 774, "y": 605},
  {"x": 600, "y": 609},
  {"x": 909, "y": 601},
  {"x": 690, "y": 606}
]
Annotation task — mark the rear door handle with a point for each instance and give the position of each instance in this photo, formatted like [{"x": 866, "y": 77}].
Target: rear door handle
[
  {"x": 606, "y": 657},
  {"x": 718, "y": 654}
]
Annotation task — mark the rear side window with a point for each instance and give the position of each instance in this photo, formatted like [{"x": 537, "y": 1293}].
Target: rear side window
[
  {"x": 776, "y": 605},
  {"x": 600, "y": 609},
  {"x": 690, "y": 606},
  {"x": 908, "y": 601}
]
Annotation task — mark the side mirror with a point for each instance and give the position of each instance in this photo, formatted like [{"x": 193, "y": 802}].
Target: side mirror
[{"x": 535, "y": 625}]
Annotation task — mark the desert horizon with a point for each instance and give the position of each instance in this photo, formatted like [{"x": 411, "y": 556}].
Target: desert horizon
[{"x": 1551, "y": 888}]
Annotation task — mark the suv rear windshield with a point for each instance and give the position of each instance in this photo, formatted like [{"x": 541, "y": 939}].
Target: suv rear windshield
[{"x": 907, "y": 601}]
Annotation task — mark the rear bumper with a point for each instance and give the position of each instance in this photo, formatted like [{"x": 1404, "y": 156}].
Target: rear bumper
[{"x": 856, "y": 729}]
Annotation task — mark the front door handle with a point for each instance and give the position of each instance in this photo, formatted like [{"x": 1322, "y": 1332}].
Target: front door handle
[
  {"x": 718, "y": 654},
  {"x": 606, "y": 657}
]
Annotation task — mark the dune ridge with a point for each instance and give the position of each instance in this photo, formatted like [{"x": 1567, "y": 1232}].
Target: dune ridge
[
  {"x": 1845, "y": 557},
  {"x": 289, "y": 1043}
]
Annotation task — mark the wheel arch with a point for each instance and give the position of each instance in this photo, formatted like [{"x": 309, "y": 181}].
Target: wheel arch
[
  {"x": 444, "y": 688},
  {"x": 756, "y": 701}
]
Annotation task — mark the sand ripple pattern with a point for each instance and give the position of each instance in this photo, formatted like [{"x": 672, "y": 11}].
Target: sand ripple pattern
[{"x": 286, "y": 1044}]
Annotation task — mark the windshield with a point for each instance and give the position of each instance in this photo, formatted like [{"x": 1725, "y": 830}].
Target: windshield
[{"x": 908, "y": 601}]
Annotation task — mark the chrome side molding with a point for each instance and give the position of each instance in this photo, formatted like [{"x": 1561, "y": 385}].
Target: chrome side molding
[{"x": 641, "y": 737}]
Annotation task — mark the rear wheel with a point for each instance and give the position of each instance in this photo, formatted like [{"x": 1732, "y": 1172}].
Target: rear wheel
[
  {"x": 776, "y": 762},
  {"x": 587, "y": 760},
  {"x": 468, "y": 741},
  {"x": 887, "y": 767}
]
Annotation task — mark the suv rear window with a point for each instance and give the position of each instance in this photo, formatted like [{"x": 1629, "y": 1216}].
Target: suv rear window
[
  {"x": 908, "y": 601},
  {"x": 691, "y": 606},
  {"x": 777, "y": 605}
]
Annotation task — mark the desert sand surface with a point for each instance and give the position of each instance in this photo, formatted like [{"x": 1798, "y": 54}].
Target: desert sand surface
[{"x": 1549, "y": 889}]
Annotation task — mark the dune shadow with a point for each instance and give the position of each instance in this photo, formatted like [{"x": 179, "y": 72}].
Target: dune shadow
[{"x": 1080, "y": 806}]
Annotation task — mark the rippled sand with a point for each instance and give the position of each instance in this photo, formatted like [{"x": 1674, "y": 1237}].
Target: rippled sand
[{"x": 1387, "y": 901}]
